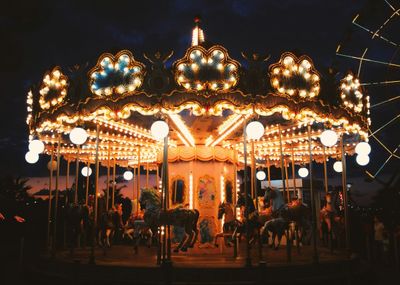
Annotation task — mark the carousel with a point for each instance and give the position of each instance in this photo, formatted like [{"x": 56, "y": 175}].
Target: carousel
[{"x": 207, "y": 125}]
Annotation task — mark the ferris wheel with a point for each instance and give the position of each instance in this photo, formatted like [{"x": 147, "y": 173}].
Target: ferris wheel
[{"x": 372, "y": 48}]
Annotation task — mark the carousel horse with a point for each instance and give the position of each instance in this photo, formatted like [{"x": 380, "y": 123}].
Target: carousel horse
[
  {"x": 230, "y": 223},
  {"x": 106, "y": 227},
  {"x": 154, "y": 217},
  {"x": 330, "y": 221},
  {"x": 283, "y": 214},
  {"x": 253, "y": 222},
  {"x": 77, "y": 222}
]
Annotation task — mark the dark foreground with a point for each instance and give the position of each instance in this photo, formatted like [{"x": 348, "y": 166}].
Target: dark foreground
[{"x": 119, "y": 265}]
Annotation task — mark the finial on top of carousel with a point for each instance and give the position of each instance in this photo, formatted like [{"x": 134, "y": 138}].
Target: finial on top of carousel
[{"x": 197, "y": 33}]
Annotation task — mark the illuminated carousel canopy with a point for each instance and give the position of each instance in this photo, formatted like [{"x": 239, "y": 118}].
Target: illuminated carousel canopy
[{"x": 206, "y": 97}]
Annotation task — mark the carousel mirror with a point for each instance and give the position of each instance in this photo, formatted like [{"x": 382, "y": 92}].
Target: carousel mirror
[{"x": 178, "y": 190}]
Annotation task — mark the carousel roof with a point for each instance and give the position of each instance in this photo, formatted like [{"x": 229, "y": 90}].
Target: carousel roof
[{"x": 206, "y": 97}]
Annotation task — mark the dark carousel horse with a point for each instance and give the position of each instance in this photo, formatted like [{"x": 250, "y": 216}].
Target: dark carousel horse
[
  {"x": 251, "y": 218},
  {"x": 230, "y": 223},
  {"x": 155, "y": 217},
  {"x": 78, "y": 223},
  {"x": 283, "y": 214}
]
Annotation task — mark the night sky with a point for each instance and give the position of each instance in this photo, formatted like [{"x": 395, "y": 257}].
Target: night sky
[{"x": 37, "y": 35}]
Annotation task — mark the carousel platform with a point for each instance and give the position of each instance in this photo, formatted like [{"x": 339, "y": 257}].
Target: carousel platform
[{"x": 119, "y": 265}]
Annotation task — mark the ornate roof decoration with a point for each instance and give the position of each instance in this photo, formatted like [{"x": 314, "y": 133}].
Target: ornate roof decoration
[
  {"x": 350, "y": 93},
  {"x": 53, "y": 89},
  {"x": 201, "y": 69},
  {"x": 295, "y": 76},
  {"x": 116, "y": 75}
]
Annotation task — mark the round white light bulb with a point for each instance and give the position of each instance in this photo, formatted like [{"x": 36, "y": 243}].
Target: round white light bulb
[
  {"x": 362, "y": 159},
  {"x": 128, "y": 175},
  {"x": 303, "y": 172},
  {"x": 31, "y": 157},
  {"x": 36, "y": 146},
  {"x": 159, "y": 130},
  {"x": 261, "y": 175},
  {"x": 338, "y": 166},
  {"x": 86, "y": 171},
  {"x": 363, "y": 148},
  {"x": 254, "y": 130},
  {"x": 328, "y": 138},
  {"x": 78, "y": 136}
]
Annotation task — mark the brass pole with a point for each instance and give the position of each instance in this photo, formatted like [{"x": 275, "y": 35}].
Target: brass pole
[
  {"x": 325, "y": 170},
  {"x": 345, "y": 197},
  {"x": 76, "y": 174},
  {"x": 56, "y": 198},
  {"x": 253, "y": 174},
  {"x": 50, "y": 198},
  {"x": 67, "y": 182},
  {"x": 282, "y": 162},
  {"x": 269, "y": 171},
  {"x": 138, "y": 183},
  {"x": 293, "y": 172},
  {"x": 246, "y": 193},
  {"x": 286, "y": 161},
  {"x": 87, "y": 182},
  {"x": 313, "y": 210},
  {"x": 108, "y": 178},
  {"x": 113, "y": 186},
  {"x": 157, "y": 179},
  {"x": 133, "y": 188},
  {"x": 96, "y": 189},
  {"x": 147, "y": 175}
]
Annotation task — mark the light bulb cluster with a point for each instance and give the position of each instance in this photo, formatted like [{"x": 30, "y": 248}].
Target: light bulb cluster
[
  {"x": 351, "y": 93},
  {"x": 192, "y": 71},
  {"x": 289, "y": 71},
  {"x": 116, "y": 75},
  {"x": 53, "y": 89}
]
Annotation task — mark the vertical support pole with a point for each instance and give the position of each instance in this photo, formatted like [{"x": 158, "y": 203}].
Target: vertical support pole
[
  {"x": 76, "y": 174},
  {"x": 53, "y": 253},
  {"x": 253, "y": 175},
  {"x": 313, "y": 212},
  {"x": 246, "y": 193},
  {"x": 345, "y": 197},
  {"x": 67, "y": 182},
  {"x": 157, "y": 178},
  {"x": 138, "y": 183},
  {"x": 87, "y": 183},
  {"x": 48, "y": 243},
  {"x": 166, "y": 252},
  {"x": 133, "y": 188},
  {"x": 269, "y": 171},
  {"x": 114, "y": 182},
  {"x": 293, "y": 172},
  {"x": 147, "y": 175},
  {"x": 282, "y": 162},
  {"x": 96, "y": 189},
  {"x": 66, "y": 203},
  {"x": 325, "y": 170},
  {"x": 286, "y": 161},
  {"x": 108, "y": 178}
]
